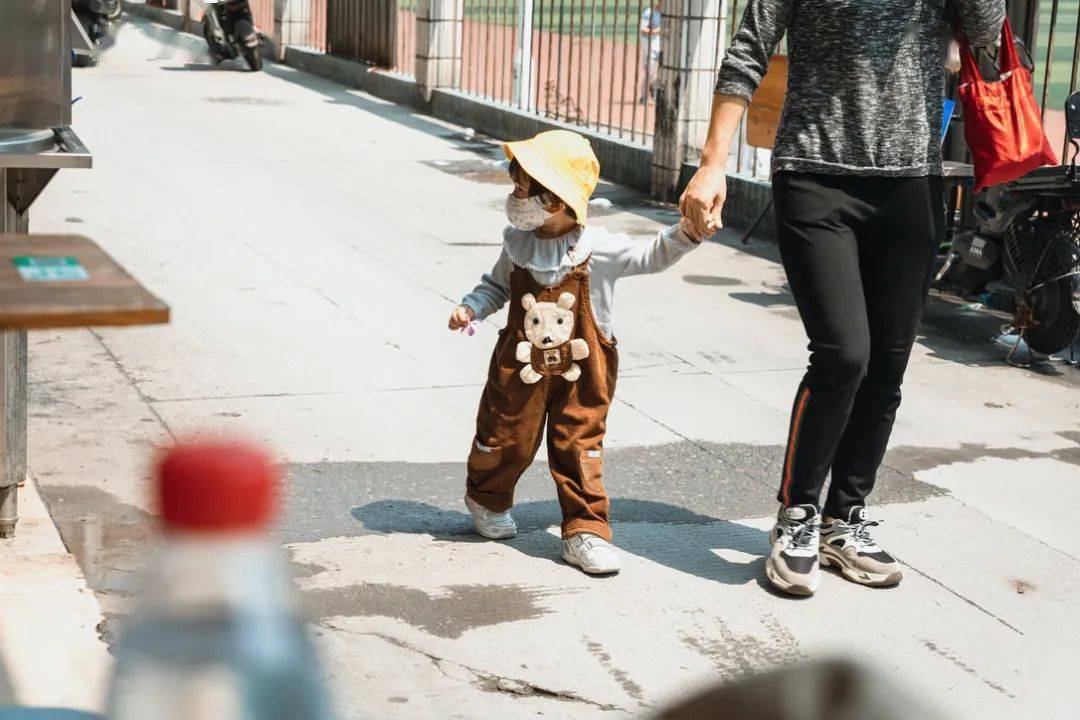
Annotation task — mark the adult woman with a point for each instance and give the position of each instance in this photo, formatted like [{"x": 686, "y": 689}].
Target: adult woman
[{"x": 858, "y": 195}]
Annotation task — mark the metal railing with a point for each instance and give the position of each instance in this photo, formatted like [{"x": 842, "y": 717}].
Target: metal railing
[
  {"x": 262, "y": 12},
  {"x": 313, "y": 18},
  {"x": 405, "y": 38},
  {"x": 363, "y": 30},
  {"x": 591, "y": 63},
  {"x": 1056, "y": 55}
]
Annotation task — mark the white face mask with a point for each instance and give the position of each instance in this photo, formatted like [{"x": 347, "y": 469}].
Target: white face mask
[{"x": 526, "y": 213}]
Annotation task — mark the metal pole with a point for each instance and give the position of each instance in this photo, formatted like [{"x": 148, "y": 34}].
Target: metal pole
[
  {"x": 523, "y": 10},
  {"x": 1049, "y": 61},
  {"x": 13, "y": 389}
]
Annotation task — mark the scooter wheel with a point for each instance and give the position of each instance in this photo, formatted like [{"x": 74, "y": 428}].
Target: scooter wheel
[
  {"x": 252, "y": 53},
  {"x": 1057, "y": 322}
]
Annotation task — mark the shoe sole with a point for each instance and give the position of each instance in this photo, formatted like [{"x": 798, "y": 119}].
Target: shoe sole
[
  {"x": 497, "y": 536},
  {"x": 802, "y": 590},
  {"x": 504, "y": 535},
  {"x": 573, "y": 560},
  {"x": 830, "y": 558}
]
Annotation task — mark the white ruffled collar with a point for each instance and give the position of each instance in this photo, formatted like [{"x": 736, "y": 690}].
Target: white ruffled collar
[{"x": 548, "y": 255}]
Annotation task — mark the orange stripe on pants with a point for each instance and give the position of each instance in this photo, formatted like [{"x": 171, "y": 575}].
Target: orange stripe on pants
[{"x": 796, "y": 422}]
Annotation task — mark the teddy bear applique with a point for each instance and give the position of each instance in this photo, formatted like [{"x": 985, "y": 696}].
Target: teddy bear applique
[{"x": 550, "y": 349}]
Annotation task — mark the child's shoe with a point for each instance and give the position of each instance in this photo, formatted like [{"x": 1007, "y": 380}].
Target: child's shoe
[
  {"x": 492, "y": 525},
  {"x": 591, "y": 553}
]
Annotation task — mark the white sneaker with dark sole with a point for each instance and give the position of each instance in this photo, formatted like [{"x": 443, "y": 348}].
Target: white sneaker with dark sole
[
  {"x": 848, "y": 546},
  {"x": 592, "y": 553},
  {"x": 792, "y": 566},
  {"x": 492, "y": 525}
]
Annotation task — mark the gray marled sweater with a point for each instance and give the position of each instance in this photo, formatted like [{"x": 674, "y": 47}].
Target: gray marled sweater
[{"x": 865, "y": 79}]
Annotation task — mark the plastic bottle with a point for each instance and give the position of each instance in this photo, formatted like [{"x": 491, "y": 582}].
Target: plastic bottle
[{"x": 216, "y": 633}]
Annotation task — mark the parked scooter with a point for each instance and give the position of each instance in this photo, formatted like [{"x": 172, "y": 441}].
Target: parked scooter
[
  {"x": 230, "y": 32},
  {"x": 95, "y": 18},
  {"x": 1023, "y": 258}
]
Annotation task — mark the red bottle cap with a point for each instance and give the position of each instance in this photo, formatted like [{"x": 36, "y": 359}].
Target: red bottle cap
[{"x": 216, "y": 487}]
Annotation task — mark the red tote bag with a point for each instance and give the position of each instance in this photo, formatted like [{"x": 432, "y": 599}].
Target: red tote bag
[{"x": 1001, "y": 119}]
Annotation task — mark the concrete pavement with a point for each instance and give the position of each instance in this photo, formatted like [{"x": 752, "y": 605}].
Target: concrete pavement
[
  {"x": 50, "y": 650},
  {"x": 311, "y": 241}
]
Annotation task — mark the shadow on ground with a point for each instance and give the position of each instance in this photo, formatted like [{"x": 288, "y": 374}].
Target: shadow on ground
[{"x": 642, "y": 527}]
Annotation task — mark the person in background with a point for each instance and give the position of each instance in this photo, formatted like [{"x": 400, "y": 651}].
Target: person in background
[
  {"x": 857, "y": 186},
  {"x": 649, "y": 29}
]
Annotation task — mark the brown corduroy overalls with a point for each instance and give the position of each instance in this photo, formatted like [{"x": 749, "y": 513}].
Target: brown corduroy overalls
[{"x": 512, "y": 413}]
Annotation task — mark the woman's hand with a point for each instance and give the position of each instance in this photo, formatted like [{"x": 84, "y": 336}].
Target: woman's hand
[
  {"x": 703, "y": 200},
  {"x": 462, "y": 316}
]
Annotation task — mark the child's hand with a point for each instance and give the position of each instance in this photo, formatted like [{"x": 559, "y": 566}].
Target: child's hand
[
  {"x": 462, "y": 316},
  {"x": 687, "y": 227}
]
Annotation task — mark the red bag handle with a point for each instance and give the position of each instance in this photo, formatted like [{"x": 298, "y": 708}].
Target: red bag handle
[{"x": 1008, "y": 58}]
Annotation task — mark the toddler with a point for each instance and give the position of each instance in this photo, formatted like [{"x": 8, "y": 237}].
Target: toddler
[{"x": 555, "y": 364}]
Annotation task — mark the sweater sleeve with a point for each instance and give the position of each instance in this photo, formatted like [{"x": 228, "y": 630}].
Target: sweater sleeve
[
  {"x": 981, "y": 19},
  {"x": 493, "y": 291},
  {"x": 763, "y": 24},
  {"x": 622, "y": 256}
]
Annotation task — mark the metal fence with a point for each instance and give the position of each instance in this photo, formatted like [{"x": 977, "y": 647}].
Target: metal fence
[
  {"x": 262, "y": 12},
  {"x": 591, "y": 63},
  {"x": 405, "y": 38},
  {"x": 312, "y": 16},
  {"x": 363, "y": 30},
  {"x": 1054, "y": 32},
  {"x": 576, "y": 64}
]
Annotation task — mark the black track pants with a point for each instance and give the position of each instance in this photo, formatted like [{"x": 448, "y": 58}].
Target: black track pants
[{"x": 858, "y": 253}]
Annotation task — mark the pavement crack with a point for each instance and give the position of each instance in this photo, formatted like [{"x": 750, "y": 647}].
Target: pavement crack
[
  {"x": 323, "y": 295},
  {"x": 414, "y": 388},
  {"x": 964, "y": 598},
  {"x": 143, "y": 397},
  {"x": 253, "y": 396},
  {"x": 951, "y": 657},
  {"x": 487, "y": 681}
]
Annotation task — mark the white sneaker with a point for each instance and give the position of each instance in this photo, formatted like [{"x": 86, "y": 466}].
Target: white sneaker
[
  {"x": 492, "y": 525},
  {"x": 591, "y": 553},
  {"x": 793, "y": 565}
]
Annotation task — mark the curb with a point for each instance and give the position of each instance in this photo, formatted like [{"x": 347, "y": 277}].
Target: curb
[{"x": 50, "y": 651}]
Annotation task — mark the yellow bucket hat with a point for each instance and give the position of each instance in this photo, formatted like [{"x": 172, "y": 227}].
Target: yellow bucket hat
[{"x": 563, "y": 162}]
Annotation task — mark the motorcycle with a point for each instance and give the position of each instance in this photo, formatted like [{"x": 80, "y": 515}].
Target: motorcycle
[
  {"x": 230, "y": 32},
  {"x": 93, "y": 18},
  {"x": 1022, "y": 259}
]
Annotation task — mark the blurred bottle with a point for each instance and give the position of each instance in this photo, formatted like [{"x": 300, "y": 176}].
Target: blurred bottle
[{"x": 216, "y": 633}]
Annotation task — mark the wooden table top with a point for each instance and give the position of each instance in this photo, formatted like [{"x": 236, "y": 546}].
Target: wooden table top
[{"x": 56, "y": 281}]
